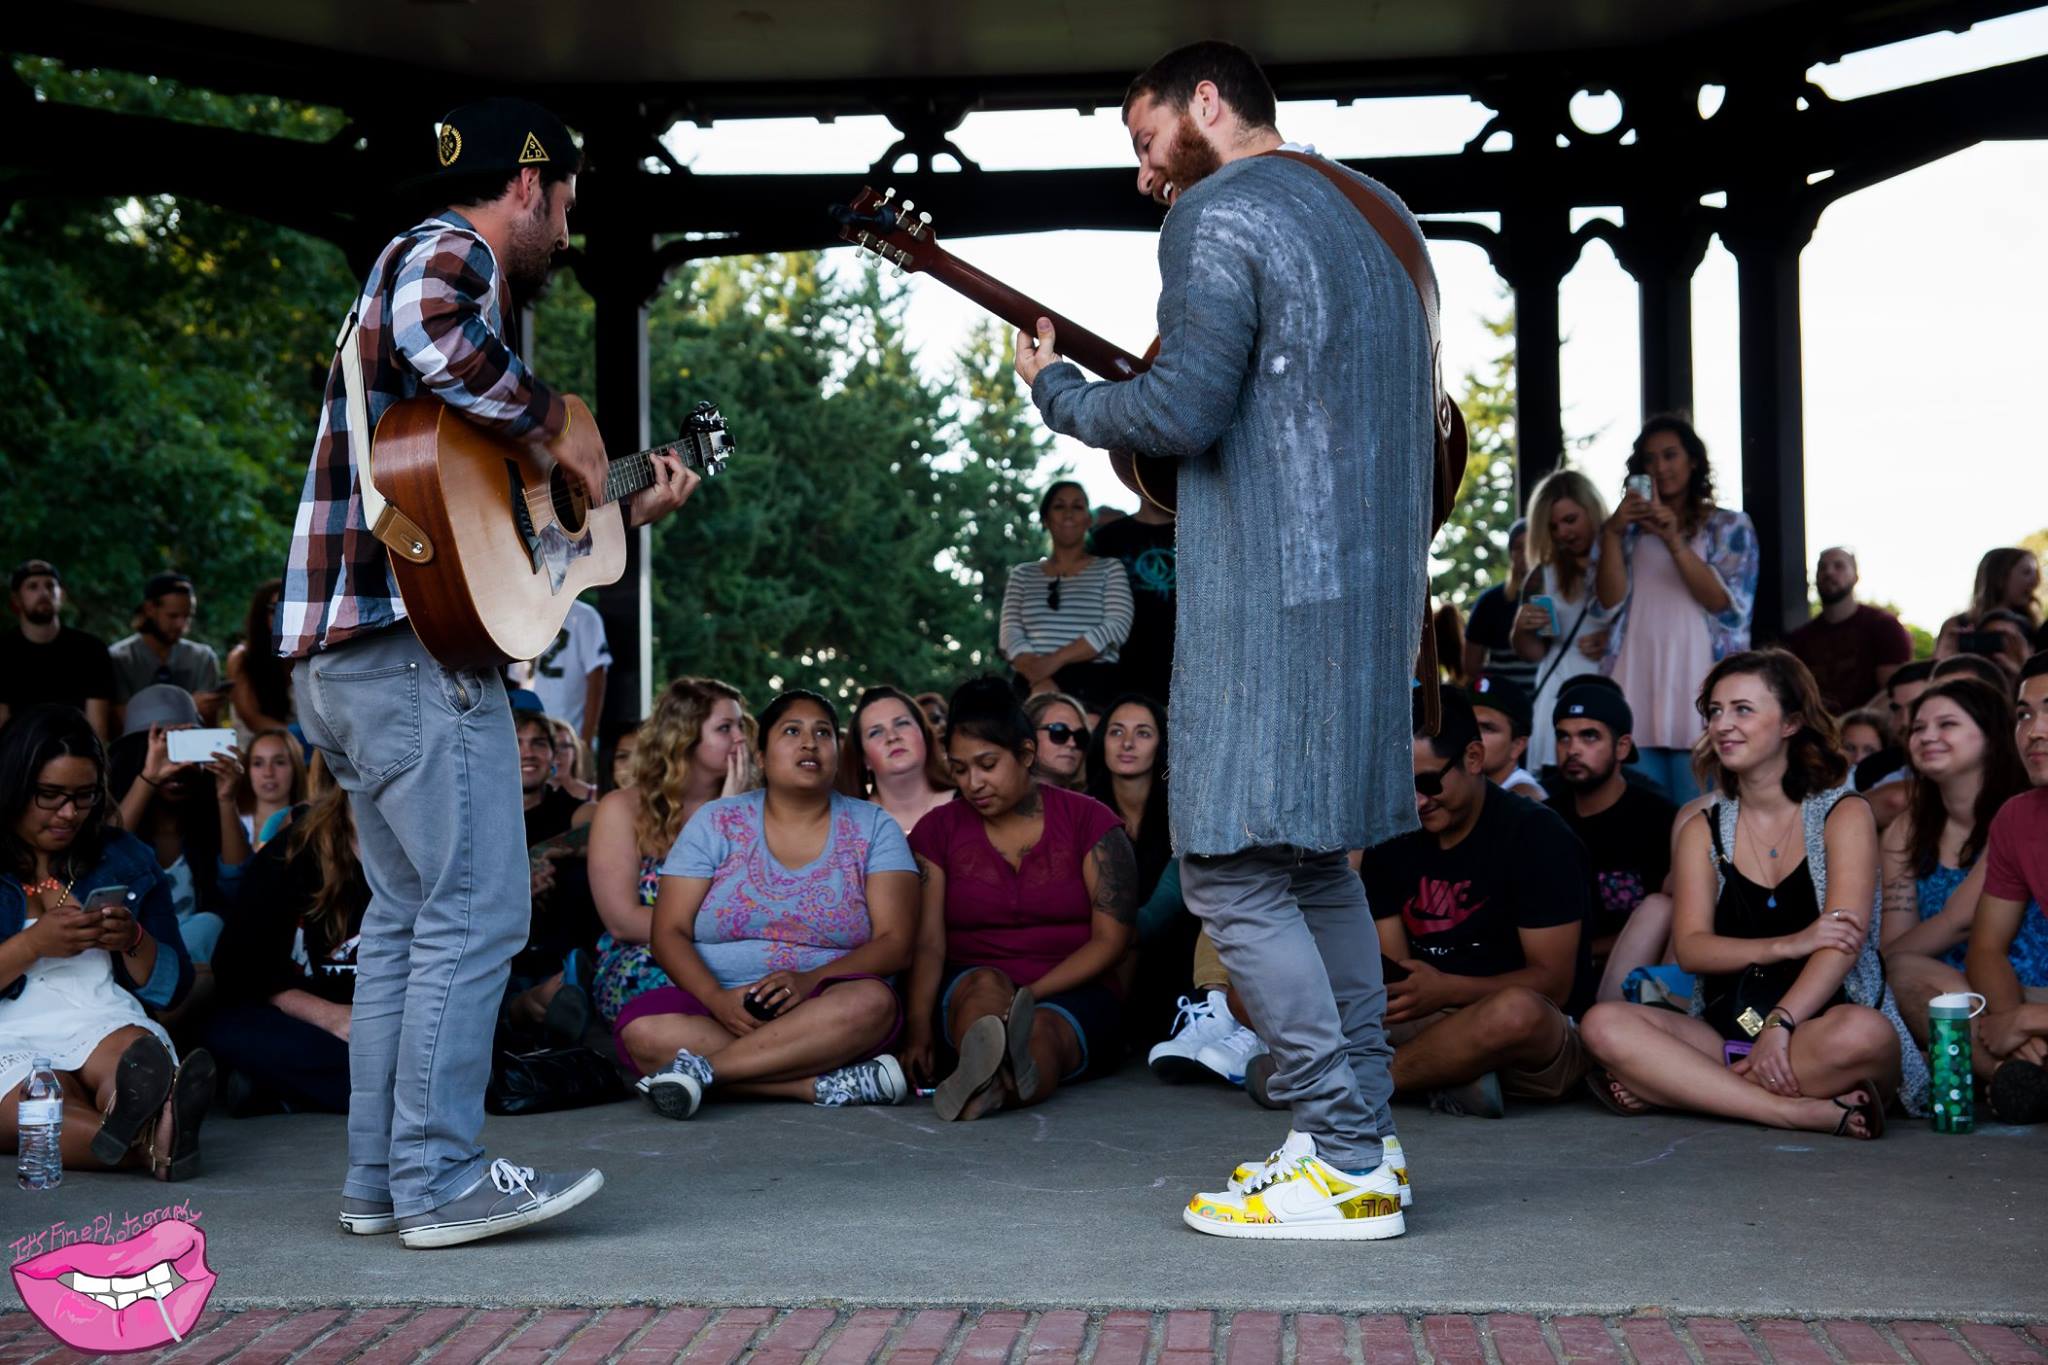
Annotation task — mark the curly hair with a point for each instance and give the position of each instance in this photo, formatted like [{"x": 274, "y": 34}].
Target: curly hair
[
  {"x": 855, "y": 777},
  {"x": 667, "y": 742},
  {"x": 1814, "y": 761},
  {"x": 1699, "y": 490}
]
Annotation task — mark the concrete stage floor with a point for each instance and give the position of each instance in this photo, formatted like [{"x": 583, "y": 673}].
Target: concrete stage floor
[{"x": 1561, "y": 1209}]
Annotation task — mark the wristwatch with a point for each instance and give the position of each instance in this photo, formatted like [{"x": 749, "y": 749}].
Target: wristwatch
[{"x": 1779, "y": 1019}]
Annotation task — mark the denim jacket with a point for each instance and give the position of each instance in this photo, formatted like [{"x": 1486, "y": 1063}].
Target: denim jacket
[{"x": 124, "y": 861}]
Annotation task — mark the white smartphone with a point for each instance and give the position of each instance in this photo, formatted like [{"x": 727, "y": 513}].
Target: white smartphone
[{"x": 198, "y": 746}]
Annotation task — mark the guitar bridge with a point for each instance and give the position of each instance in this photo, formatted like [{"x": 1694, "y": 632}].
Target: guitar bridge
[{"x": 522, "y": 517}]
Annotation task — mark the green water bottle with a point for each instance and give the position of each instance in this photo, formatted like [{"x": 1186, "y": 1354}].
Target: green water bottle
[{"x": 1953, "y": 1087}]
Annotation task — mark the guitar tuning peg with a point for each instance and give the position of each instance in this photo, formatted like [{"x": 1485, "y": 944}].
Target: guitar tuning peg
[
  {"x": 924, "y": 219},
  {"x": 908, "y": 206},
  {"x": 888, "y": 194}
]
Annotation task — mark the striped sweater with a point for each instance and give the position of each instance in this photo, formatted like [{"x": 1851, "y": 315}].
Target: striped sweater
[{"x": 1095, "y": 605}]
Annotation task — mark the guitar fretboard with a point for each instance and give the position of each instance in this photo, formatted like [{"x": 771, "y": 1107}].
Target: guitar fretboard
[{"x": 631, "y": 473}]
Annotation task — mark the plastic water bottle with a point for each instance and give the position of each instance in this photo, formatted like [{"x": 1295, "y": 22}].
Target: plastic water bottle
[
  {"x": 1953, "y": 1085},
  {"x": 39, "y": 1129}
]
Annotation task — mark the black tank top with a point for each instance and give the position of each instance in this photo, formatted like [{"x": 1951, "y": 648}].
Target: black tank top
[{"x": 1747, "y": 909}]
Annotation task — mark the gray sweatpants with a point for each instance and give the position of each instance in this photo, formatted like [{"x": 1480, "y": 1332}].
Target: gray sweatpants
[
  {"x": 1293, "y": 929},
  {"x": 429, "y": 760}
]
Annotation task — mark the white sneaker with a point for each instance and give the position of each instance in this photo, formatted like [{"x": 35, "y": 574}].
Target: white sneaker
[
  {"x": 1228, "y": 1056},
  {"x": 677, "y": 1089},
  {"x": 1304, "y": 1199},
  {"x": 879, "y": 1080},
  {"x": 1199, "y": 1024},
  {"x": 1300, "y": 1144}
]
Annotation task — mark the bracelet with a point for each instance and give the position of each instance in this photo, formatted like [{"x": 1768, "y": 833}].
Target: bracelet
[
  {"x": 135, "y": 947},
  {"x": 152, "y": 781},
  {"x": 1780, "y": 1018}
]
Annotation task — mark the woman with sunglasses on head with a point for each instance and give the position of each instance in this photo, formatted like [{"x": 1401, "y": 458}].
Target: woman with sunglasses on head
[
  {"x": 1030, "y": 896},
  {"x": 1792, "y": 1024},
  {"x": 1065, "y": 616},
  {"x": 77, "y": 969},
  {"x": 890, "y": 757},
  {"x": 1061, "y": 726}
]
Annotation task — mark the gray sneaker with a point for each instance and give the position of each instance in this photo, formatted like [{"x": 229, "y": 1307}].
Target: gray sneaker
[
  {"x": 677, "y": 1089},
  {"x": 1480, "y": 1099},
  {"x": 507, "y": 1198},
  {"x": 367, "y": 1217},
  {"x": 879, "y": 1080}
]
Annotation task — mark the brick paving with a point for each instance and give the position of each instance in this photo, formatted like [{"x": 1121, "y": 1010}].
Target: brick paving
[{"x": 934, "y": 1336}]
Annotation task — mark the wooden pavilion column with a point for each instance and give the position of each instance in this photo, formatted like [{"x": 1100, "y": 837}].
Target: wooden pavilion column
[
  {"x": 1662, "y": 251},
  {"x": 1536, "y": 252}
]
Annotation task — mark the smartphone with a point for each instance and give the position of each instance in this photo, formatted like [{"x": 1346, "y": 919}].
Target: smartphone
[
  {"x": 1391, "y": 971},
  {"x": 1549, "y": 606},
  {"x": 104, "y": 898},
  {"x": 1731, "y": 1051},
  {"x": 1640, "y": 485},
  {"x": 198, "y": 746},
  {"x": 756, "y": 1007}
]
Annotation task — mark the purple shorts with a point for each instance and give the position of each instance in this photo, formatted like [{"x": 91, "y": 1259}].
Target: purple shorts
[{"x": 676, "y": 1000}]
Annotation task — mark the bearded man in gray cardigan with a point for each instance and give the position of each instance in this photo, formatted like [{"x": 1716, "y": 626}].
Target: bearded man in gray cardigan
[{"x": 1294, "y": 385}]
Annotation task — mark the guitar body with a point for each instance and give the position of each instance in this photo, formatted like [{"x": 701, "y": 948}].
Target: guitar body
[{"x": 511, "y": 545}]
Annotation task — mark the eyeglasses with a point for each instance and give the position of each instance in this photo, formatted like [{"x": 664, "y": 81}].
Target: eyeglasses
[
  {"x": 1052, "y": 594},
  {"x": 56, "y": 798},
  {"x": 1432, "y": 784},
  {"x": 1062, "y": 733}
]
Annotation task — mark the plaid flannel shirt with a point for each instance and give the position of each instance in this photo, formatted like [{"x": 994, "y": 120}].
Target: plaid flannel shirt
[{"x": 433, "y": 317}]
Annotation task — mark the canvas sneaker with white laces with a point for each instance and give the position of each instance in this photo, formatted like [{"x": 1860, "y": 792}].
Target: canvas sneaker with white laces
[
  {"x": 1301, "y": 1144},
  {"x": 504, "y": 1198},
  {"x": 1228, "y": 1056},
  {"x": 1199, "y": 1024},
  {"x": 677, "y": 1089},
  {"x": 1304, "y": 1199},
  {"x": 879, "y": 1080}
]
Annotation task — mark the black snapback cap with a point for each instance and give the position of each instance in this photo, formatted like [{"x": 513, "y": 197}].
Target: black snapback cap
[{"x": 501, "y": 134}]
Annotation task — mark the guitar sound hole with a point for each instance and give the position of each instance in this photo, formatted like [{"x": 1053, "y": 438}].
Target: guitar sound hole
[{"x": 571, "y": 508}]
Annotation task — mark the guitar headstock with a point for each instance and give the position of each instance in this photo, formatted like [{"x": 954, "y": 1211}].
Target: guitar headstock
[
  {"x": 893, "y": 230},
  {"x": 705, "y": 445}
]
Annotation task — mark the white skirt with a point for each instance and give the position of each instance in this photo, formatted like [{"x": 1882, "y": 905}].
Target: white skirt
[{"x": 66, "y": 1008}]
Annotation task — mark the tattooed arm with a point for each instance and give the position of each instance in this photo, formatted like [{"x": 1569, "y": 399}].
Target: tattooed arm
[{"x": 1111, "y": 873}]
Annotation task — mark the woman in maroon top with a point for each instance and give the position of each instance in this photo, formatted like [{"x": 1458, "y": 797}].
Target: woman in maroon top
[{"x": 1030, "y": 892}]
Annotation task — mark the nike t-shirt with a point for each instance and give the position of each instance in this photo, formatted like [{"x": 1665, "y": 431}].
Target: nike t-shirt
[{"x": 1464, "y": 908}]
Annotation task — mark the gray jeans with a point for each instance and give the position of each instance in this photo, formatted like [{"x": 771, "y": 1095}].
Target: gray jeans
[
  {"x": 1294, "y": 931},
  {"x": 428, "y": 758}
]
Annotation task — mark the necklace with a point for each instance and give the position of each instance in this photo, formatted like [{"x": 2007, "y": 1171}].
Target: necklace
[{"x": 1771, "y": 901}]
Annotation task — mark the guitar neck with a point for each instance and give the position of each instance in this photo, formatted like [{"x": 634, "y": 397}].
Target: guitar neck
[
  {"x": 631, "y": 473},
  {"x": 1072, "y": 340}
]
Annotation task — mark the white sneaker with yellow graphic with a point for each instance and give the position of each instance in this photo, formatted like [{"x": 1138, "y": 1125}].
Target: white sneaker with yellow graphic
[
  {"x": 1304, "y": 1199},
  {"x": 1390, "y": 1147}
]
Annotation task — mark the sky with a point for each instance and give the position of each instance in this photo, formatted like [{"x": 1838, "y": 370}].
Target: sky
[{"x": 1924, "y": 308}]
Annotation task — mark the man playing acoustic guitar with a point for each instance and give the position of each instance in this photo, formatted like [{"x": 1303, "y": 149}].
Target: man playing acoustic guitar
[
  {"x": 427, "y": 753},
  {"x": 1296, "y": 384}
]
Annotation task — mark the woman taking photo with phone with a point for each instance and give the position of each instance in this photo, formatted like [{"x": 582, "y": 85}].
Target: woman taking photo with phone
[
  {"x": 1680, "y": 575},
  {"x": 782, "y": 915},
  {"x": 1561, "y": 627},
  {"x": 87, "y": 939},
  {"x": 1792, "y": 1025}
]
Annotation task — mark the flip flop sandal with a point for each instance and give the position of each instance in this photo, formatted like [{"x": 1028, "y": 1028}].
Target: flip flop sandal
[
  {"x": 1872, "y": 1110},
  {"x": 1601, "y": 1083},
  {"x": 1017, "y": 1022},
  {"x": 974, "y": 1089},
  {"x": 142, "y": 1081},
  {"x": 191, "y": 1093}
]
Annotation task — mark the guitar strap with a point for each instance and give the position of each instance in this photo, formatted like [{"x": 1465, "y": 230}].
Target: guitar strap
[{"x": 1448, "y": 421}]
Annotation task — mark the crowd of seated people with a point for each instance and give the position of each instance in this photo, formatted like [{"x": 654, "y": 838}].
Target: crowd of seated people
[{"x": 1656, "y": 868}]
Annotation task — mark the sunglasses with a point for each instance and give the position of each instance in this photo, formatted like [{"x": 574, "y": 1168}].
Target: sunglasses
[
  {"x": 1062, "y": 733},
  {"x": 1052, "y": 594},
  {"x": 1432, "y": 784}
]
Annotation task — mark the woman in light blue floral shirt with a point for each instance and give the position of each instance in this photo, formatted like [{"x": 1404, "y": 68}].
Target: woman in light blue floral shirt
[{"x": 1681, "y": 574}]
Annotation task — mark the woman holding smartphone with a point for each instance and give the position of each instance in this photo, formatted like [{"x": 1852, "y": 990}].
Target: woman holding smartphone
[
  {"x": 1680, "y": 575},
  {"x": 87, "y": 939},
  {"x": 1561, "y": 628}
]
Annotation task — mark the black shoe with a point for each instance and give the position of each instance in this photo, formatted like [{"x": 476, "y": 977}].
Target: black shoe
[
  {"x": 2019, "y": 1093},
  {"x": 142, "y": 1081},
  {"x": 191, "y": 1095},
  {"x": 1258, "y": 1077},
  {"x": 568, "y": 1016}
]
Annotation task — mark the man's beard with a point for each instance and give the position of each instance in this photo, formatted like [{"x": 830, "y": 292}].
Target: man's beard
[
  {"x": 529, "y": 257},
  {"x": 1590, "y": 782},
  {"x": 39, "y": 616},
  {"x": 1191, "y": 159},
  {"x": 1828, "y": 599}
]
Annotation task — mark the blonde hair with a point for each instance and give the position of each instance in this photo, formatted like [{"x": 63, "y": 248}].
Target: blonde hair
[
  {"x": 1561, "y": 485},
  {"x": 1035, "y": 708},
  {"x": 665, "y": 745}
]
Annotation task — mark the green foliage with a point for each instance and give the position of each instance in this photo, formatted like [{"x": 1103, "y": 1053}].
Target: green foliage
[
  {"x": 161, "y": 364},
  {"x": 1471, "y": 551}
]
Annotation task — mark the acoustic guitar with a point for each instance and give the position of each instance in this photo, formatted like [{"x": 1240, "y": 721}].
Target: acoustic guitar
[
  {"x": 903, "y": 237},
  {"x": 501, "y": 540}
]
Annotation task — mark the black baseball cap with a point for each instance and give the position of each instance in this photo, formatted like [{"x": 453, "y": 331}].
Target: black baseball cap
[
  {"x": 502, "y": 134},
  {"x": 1506, "y": 696},
  {"x": 1602, "y": 701},
  {"x": 32, "y": 568},
  {"x": 164, "y": 584}
]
